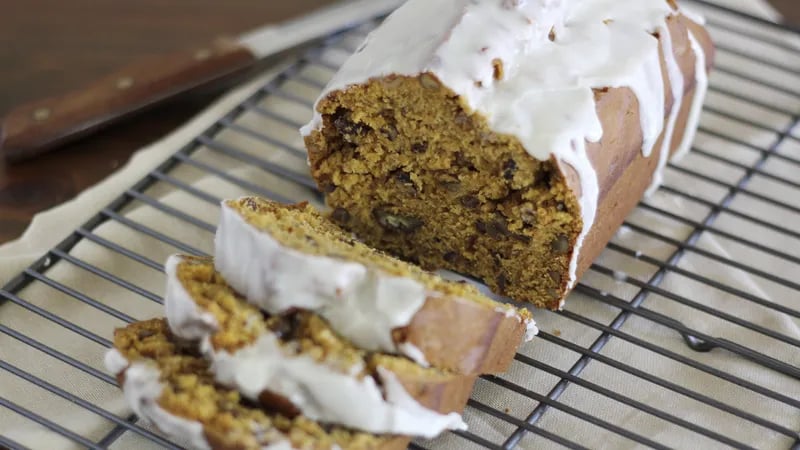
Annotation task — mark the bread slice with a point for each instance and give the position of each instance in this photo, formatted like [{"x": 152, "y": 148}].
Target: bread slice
[
  {"x": 168, "y": 384},
  {"x": 297, "y": 364},
  {"x": 284, "y": 257},
  {"x": 508, "y": 140}
]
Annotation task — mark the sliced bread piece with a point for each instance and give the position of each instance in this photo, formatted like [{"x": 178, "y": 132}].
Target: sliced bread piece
[
  {"x": 284, "y": 257},
  {"x": 296, "y": 363},
  {"x": 167, "y": 383}
]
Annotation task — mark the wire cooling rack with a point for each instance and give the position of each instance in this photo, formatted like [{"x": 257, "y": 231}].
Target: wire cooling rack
[{"x": 683, "y": 333}]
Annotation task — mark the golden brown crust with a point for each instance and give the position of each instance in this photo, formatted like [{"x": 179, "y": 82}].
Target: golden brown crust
[
  {"x": 445, "y": 397},
  {"x": 467, "y": 337},
  {"x": 624, "y": 172},
  {"x": 480, "y": 204}
]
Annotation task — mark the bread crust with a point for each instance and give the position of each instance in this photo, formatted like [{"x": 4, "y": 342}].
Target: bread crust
[
  {"x": 624, "y": 172},
  {"x": 465, "y": 336}
]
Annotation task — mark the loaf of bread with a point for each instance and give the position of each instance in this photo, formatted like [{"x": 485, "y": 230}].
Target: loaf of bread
[
  {"x": 169, "y": 385},
  {"x": 295, "y": 364},
  {"x": 508, "y": 139},
  {"x": 282, "y": 258}
]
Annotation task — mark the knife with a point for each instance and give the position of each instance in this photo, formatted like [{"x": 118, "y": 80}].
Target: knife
[{"x": 42, "y": 125}]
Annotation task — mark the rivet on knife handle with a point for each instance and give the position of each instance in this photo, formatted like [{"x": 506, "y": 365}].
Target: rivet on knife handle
[{"x": 36, "y": 127}]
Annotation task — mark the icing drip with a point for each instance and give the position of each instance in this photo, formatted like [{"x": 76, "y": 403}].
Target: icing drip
[
  {"x": 590, "y": 192},
  {"x": 693, "y": 15},
  {"x": 327, "y": 394},
  {"x": 700, "y": 89},
  {"x": 142, "y": 390},
  {"x": 414, "y": 353},
  {"x": 531, "y": 330},
  {"x": 184, "y": 317},
  {"x": 115, "y": 362},
  {"x": 553, "y": 54},
  {"x": 360, "y": 302},
  {"x": 676, "y": 82}
]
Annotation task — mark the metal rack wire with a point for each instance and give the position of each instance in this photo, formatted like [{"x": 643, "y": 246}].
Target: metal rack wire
[{"x": 730, "y": 207}]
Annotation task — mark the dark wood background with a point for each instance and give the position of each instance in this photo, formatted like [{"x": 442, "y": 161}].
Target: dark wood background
[{"x": 49, "y": 46}]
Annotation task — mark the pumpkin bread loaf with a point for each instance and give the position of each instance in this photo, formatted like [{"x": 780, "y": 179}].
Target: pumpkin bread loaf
[{"x": 508, "y": 140}]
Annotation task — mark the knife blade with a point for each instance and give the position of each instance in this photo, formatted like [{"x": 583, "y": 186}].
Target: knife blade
[{"x": 42, "y": 125}]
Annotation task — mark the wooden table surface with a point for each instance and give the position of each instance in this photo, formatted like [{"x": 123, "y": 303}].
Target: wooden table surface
[{"x": 49, "y": 46}]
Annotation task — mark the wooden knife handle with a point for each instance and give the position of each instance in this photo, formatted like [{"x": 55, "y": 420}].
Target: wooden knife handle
[{"x": 35, "y": 127}]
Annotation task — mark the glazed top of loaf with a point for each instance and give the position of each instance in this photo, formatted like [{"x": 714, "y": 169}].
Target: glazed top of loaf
[{"x": 530, "y": 67}]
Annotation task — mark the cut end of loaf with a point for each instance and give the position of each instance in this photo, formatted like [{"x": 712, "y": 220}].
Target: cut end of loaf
[{"x": 410, "y": 170}]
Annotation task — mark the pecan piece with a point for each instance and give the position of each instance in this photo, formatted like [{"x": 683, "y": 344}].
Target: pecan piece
[{"x": 396, "y": 222}]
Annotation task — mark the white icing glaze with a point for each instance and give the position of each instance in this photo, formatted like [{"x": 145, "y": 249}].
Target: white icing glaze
[
  {"x": 115, "y": 362},
  {"x": 414, "y": 353},
  {"x": 508, "y": 311},
  {"x": 360, "y": 302},
  {"x": 184, "y": 317},
  {"x": 411, "y": 409},
  {"x": 676, "y": 84},
  {"x": 142, "y": 390},
  {"x": 531, "y": 330},
  {"x": 693, "y": 15},
  {"x": 327, "y": 394},
  {"x": 545, "y": 97},
  {"x": 530, "y": 325},
  {"x": 700, "y": 89}
]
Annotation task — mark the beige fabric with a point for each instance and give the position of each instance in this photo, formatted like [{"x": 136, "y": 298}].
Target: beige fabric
[{"x": 49, "y": 228}]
